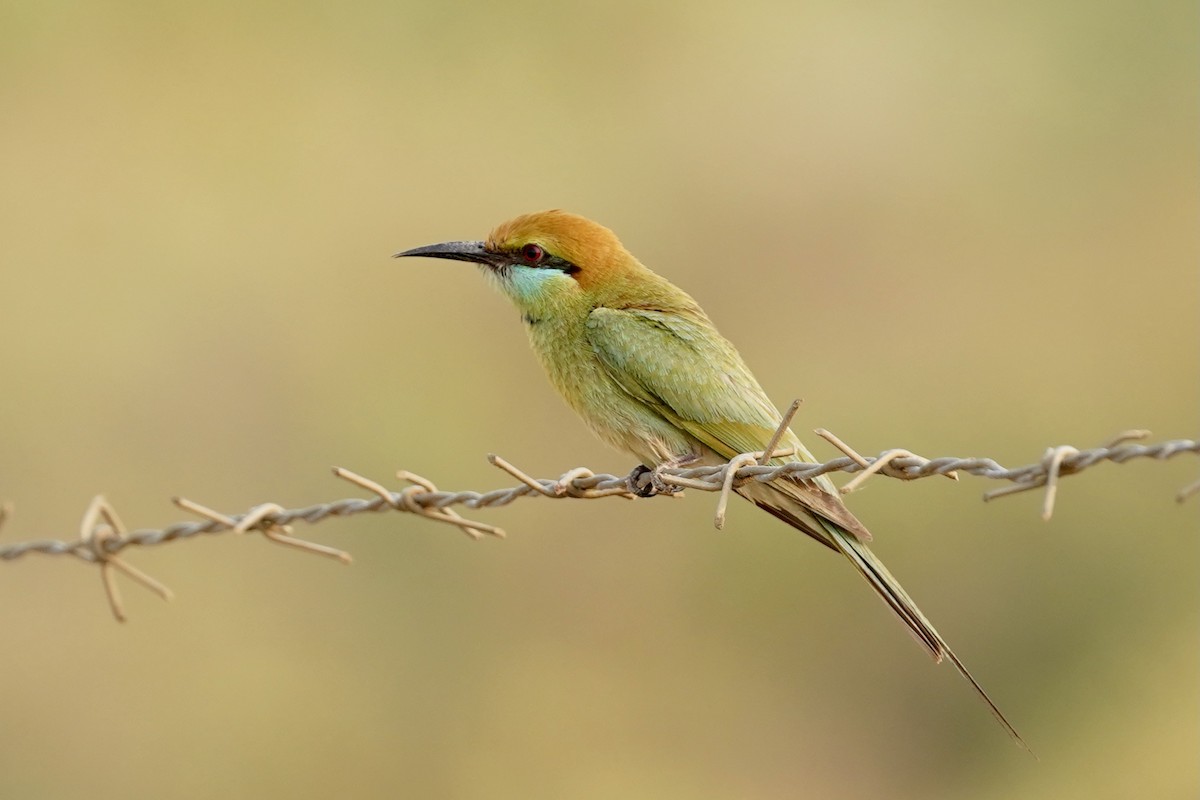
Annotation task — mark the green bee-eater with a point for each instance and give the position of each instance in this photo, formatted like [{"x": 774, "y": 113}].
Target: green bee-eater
[{"x": 647, "y": 370}]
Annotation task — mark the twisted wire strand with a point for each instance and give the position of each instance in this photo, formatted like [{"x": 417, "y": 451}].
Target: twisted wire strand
[{"x": 102, "y": 537}]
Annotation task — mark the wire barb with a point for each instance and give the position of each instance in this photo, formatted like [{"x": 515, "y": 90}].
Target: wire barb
[
  {"x": 423, "y": 486},
  {"x": 100, "y": 525},
  {"x": 1054, "y": 467},
  {"x": 580, "y": 482},
  {"x": 262, "y": 518},
  {"x": 730, "y": 471},
  {"x": 878, "y": 465},
  {"x": 769, "y": 451},
  {"x": 1137, "y": 434},
  {"x": 532, "y": 483}
]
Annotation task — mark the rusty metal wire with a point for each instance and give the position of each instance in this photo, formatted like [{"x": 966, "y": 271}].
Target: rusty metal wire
[{"x": 102, "y": 536}]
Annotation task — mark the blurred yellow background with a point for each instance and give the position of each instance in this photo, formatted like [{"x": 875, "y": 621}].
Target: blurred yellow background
[{"x": 964, "y": 230}]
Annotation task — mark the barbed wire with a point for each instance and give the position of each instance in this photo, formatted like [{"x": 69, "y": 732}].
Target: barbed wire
[{"x": 102, "y": 535}]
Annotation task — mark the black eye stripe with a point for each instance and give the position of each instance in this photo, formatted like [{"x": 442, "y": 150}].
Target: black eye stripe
[{"x": 554, "y": 262}]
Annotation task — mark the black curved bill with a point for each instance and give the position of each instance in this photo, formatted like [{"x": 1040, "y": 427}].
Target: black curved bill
[{"x": 474, "y": 252}]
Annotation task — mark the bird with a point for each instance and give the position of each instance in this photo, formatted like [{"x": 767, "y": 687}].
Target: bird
[{"x": 648, "y": 372}]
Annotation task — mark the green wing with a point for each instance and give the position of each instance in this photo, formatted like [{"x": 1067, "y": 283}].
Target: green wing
[{"x": 678, "y": 364}]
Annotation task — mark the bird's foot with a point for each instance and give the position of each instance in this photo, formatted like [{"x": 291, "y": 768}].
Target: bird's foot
[
  {"x": 641, "y": 481},
  {"x": 646, "y": 482}
]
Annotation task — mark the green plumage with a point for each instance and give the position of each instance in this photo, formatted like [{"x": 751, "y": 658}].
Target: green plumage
[{"x": 648, "y": 372}]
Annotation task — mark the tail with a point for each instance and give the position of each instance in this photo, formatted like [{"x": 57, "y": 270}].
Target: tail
[
  {"x": 922, "y": 629},
  {"x": 876, "y": 574}
]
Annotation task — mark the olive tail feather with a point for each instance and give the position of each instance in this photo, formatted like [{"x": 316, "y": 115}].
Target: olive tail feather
[{"x": 922, "y": 630}]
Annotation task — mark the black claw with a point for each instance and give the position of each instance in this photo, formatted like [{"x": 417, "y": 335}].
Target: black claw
[{"x": 640, "y": 484}]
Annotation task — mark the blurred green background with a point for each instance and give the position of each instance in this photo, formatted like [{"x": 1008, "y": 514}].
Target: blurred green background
[{"x": 960, "y": 229}]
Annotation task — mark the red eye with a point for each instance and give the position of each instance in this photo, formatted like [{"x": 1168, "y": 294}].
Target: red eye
[{"x": 532, "y": 253}]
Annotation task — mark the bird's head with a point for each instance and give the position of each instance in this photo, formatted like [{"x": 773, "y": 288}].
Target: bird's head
[{"x": 543, "y": 260}]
